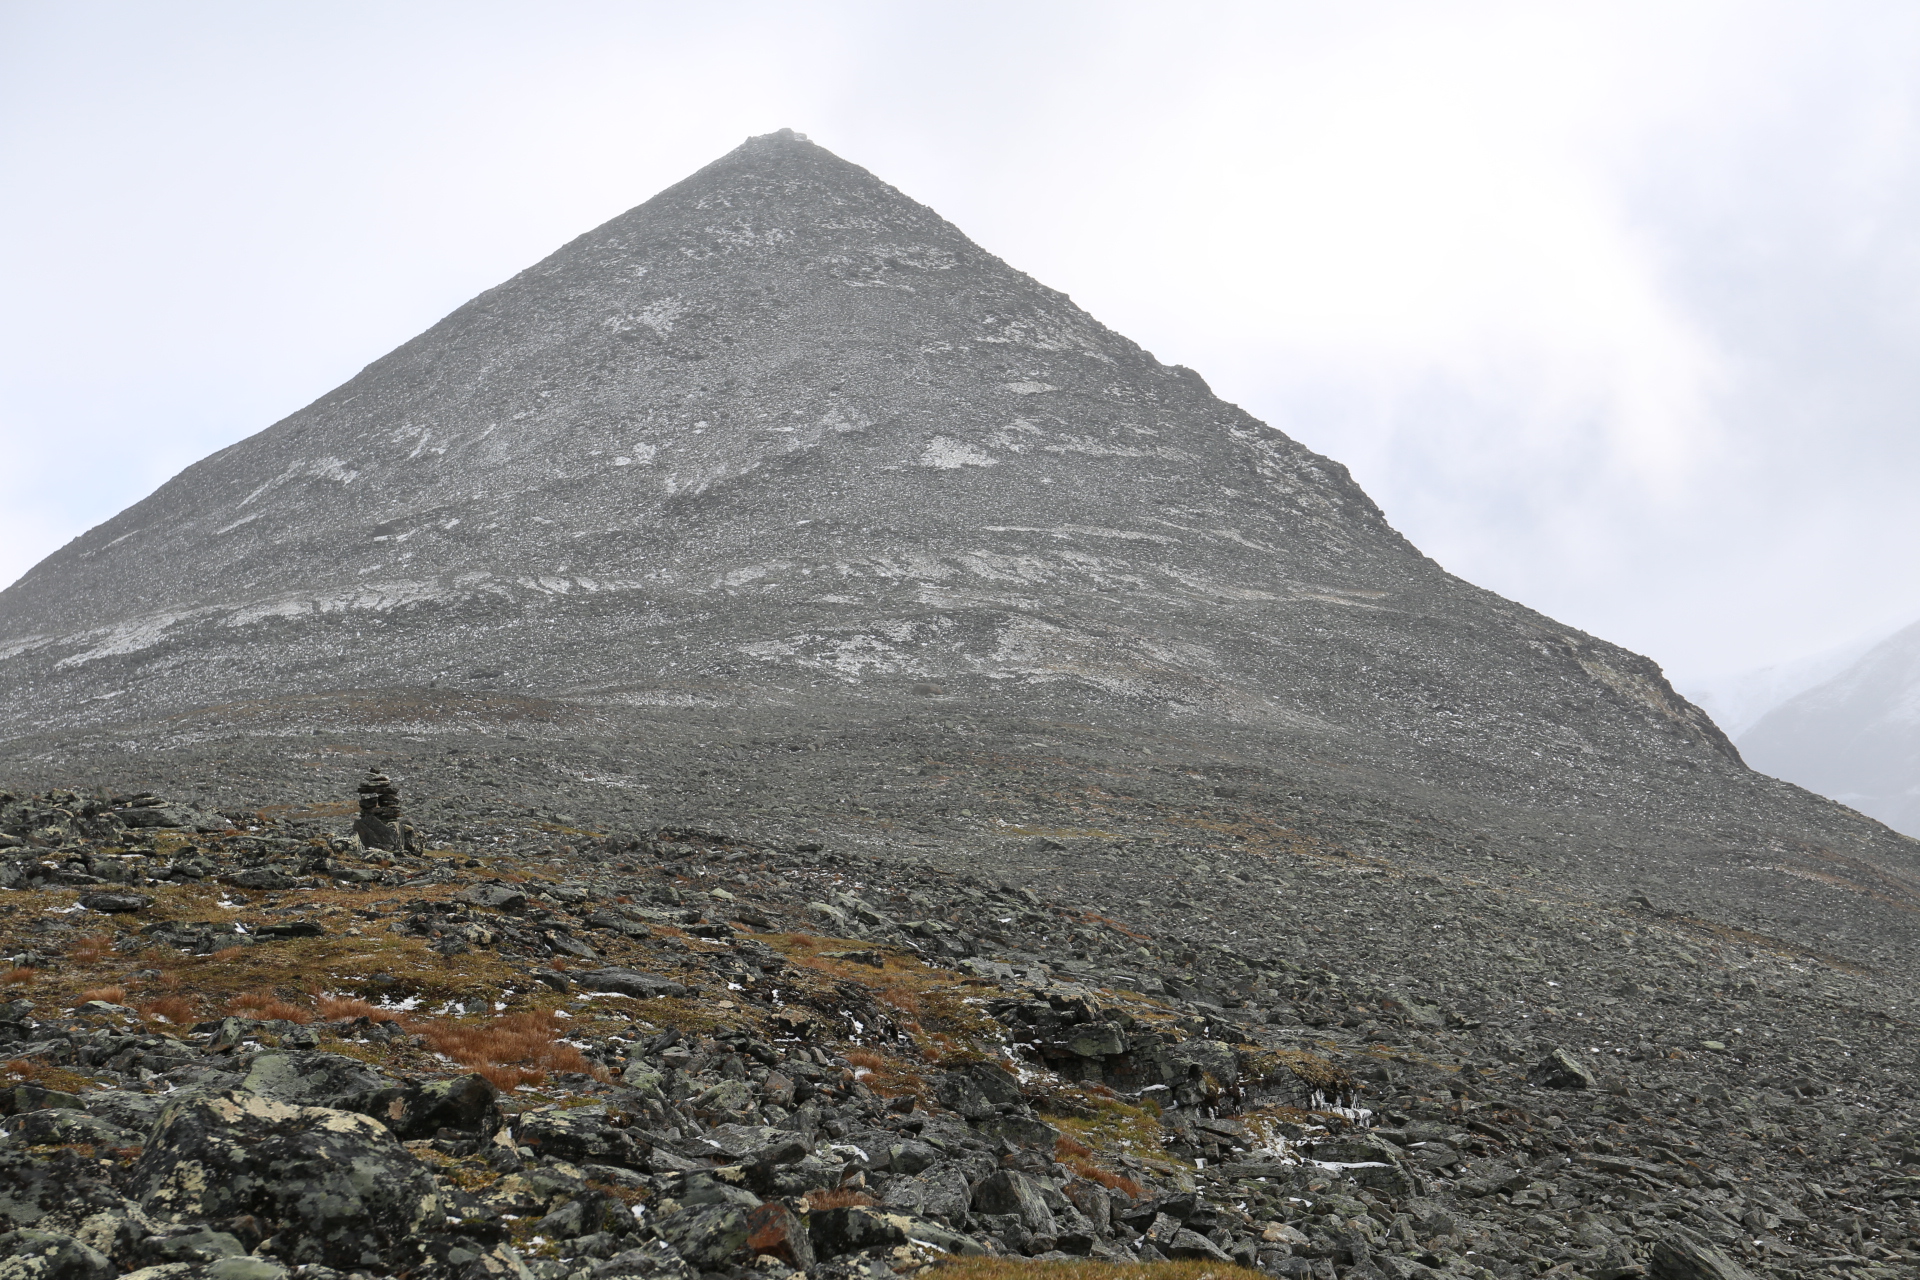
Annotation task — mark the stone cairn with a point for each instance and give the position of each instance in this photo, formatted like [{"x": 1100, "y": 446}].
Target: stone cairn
[{"x": 379, "y": 825}]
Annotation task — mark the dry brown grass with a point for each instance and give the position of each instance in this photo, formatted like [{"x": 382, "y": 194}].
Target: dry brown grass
[
  {"x": 20, "y": 976},
  {"x": 497, "y": 1047},
  {"x": 838, "y": 1198},
  {"x": 267, "y": 1007},
  {"x": 112, "y": 995},
  {"x": 346, "y": 1008},
  {"x": 91, "y": 948},
  {"x": 176, "y": 1011},
  {"x": 887, "y": 1076}
]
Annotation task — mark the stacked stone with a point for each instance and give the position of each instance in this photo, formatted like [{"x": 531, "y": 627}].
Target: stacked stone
[{"x": 379, "y": 825}]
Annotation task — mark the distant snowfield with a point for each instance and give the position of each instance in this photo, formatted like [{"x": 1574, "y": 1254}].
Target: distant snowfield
[{"x": 1844, "y": 723}]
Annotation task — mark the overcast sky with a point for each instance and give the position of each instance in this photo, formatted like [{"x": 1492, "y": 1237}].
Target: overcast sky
[{"x": 1614, "y": 308}]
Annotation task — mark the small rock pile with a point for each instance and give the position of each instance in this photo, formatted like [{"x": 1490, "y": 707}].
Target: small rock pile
[{"x": 379, "y": 825}]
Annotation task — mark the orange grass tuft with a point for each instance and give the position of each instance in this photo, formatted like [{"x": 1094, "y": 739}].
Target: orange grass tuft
[
  {"x": 176, "y": 1010},
  {"x": 517, "y": 1049},
  {"x": 346, "y": 1008},
  {"x": 838, "y": 1198},
  {"x": 1106, "y": 1177},
  {"x": 90, "y": 949},
  {"x": 267, "y": 1007},
  {"x": 20, "y": 976},
  {"x": 1065, "y": 1148},
  {"x": 112, "y": 995}
]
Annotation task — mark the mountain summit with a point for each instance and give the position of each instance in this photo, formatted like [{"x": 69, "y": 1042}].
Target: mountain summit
[{"x": 781, "y": 444}]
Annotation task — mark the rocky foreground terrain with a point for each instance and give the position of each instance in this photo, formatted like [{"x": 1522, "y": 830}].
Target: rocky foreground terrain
[{"x": 237, "y": 1042}]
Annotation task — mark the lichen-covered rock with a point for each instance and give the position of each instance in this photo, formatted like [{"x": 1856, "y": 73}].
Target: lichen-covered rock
[
  {"x": 706, "y": 1235},
  {"x": 313, "y": 1079},
  {"x": 56, "y": 1126},
  {"x": 329, "y": 1186},
  {"x": 655, "y": 1260},
  {"x": 836, "y": 1232},
  {"x": 1005, "y": 1191},
  {"x": 581, "y": 1135},
  {"x": 1682, "y": 1256},
  {"x": 466, "y": 1104},
  {"x": 62, "y": 1188},
  {"x": 27, "y": 1254}
]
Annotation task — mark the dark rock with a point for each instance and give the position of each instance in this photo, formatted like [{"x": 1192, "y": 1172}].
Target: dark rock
[
  {"x": 379, "y": 825},
  {"x": 775, "y": 1231},
  {"x": 1682, "y": 1256},
  {"x": 655, "y": 1260},
  {"x": 329, "y": 1186},
  {"x": 311, "y": 1079},
  {"x": 1561, "y": 1070},
  {"x": 1005, "y": 1191},
  {"x": 263, "y": 878},
  {"x": 33, "y": 1097},
  {"x": 495, "y": 897},
  {"x": 629, "y": 982},
  {"x": 466, "y": 1104},
  {"x": 119, "y": 901},
  {"x": 60, "y": 1126},
  {"x": 836, "y": 1232},
  {"x": 48, "y": 1255},
  {"x": 581, "y": 1135},
  {"x": 706, "y": 1235}
]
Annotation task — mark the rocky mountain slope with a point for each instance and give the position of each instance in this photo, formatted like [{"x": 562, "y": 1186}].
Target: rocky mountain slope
[
  {"x": 1021, "y": 704},
  {"x": 1855, "y": 737},
  {"x": 245, "y": 1045}
]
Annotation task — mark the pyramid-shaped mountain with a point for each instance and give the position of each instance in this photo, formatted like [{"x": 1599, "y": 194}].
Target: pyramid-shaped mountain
[{"x": 783, "y": 443}]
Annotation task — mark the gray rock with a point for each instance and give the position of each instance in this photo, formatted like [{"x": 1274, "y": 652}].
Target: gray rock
[
  {"x": 1005, "y": 1191},
  {"x": 59, "y": 1125},
  {"x": 836, "y": 1232},
  {"x": 630, "y": 982},
  {"x": 312, "y": 1079},
  {"x": 201, "y": 1244},
  {"x": 580, "y": 1135},
  {"x": 496, "y": 897},
  {"x": 655, "y": 1260},
  {"x": 706, "y": 1235},
  {"x": 1561, "y": 1070},
  {"x": 118, "y": 901},
  {"x": 330, "y": 1186},
  {"x": 1682, "y": 1256},
  {"x": 27, "y": 1254}
]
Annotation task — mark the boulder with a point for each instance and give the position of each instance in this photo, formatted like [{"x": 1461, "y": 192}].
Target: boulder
[
  {"x": 1684, "y": 1256},
  {"x": 496, "y": 897},
  {"x": 61, "y": 1188},
  {"x": 775, "y": 1231},
  {"x": 1004, "y": 1191},
  {"x": 330, "y": 1186},
  {"x": 27, "y": 1254},
  {"x": 58, "y": 1126},
  {"x": 313, "y": 1079},
  {"x": 629, "y": 982},
  {"x": 581, "y": 1135},
  {"x": 465, "y": 1104},
  {"x": 706, "y": 1235},
  {"x": 120, "y": 901},
  {"x": 1561, "y": 1070},
  {"x": 835, "y": 1232},
  {"x": 655, "y": 1260}
]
